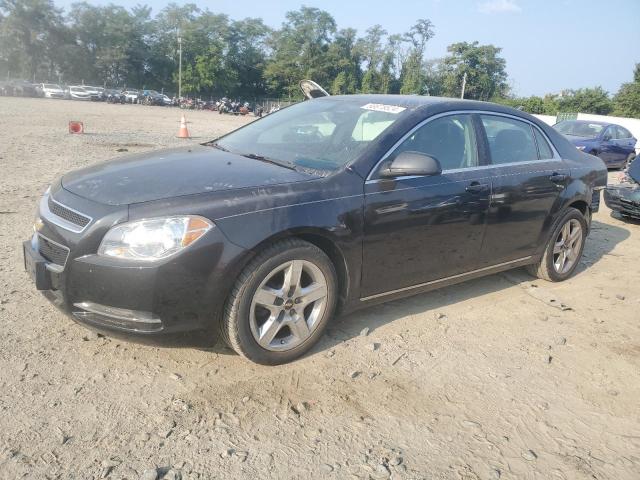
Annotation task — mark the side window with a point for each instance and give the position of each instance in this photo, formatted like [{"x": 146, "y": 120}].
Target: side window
[
  {"x": 544, "y": 150},
  {"x": 509, "y": 140},
  {"x": 451, "y": 140},
  {"x": 623, "y": 132},
  {"x": 609, "y": 133}
]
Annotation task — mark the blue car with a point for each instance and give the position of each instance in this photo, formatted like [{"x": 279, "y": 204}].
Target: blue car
[{"x": 612, "y": 143}]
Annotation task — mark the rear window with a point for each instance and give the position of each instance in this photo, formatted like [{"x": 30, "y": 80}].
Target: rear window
[
  {"x": 623, "y": 132},
  {"x": 510, "y": 140},
  {"x": 579, "y": 129}
]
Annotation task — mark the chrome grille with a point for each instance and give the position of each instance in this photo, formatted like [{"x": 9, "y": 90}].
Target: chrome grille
[
  {"x": 52, "y": 251},
  {"x": 67, "y": 214}
]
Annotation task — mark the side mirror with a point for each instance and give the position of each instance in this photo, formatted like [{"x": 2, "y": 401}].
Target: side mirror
[
  {"x": 411, "y": 163},
  {"x": 606, "y": 138}
]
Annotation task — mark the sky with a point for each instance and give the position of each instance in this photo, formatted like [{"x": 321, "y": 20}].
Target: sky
[{"x": 549, "y": 45}]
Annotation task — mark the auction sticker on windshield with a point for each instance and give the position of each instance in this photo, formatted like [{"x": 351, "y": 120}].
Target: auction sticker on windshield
[{"x": 380, "y": 107}]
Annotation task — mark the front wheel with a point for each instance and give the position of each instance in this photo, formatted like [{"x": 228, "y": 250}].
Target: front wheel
[
  {"x": 564, "y": 248},
  {"x": 281, "y": 303}
]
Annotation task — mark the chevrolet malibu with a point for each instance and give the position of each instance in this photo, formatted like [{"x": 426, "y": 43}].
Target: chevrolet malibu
[{"x": 327, "y": 206}]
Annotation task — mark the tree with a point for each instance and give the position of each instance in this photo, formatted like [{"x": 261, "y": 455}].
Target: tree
[
  {"x": 30, "y": 33},
  {"x": 344, "y": 59},
  {"x": 586, "y": 100},
  {"x": 372, "y": 55},
  {"x": 300, "y": 50},
  {"x": 485, "y": 70},
  {"x": 626, "y": 102},
  {"x": 412, "y": 75}
]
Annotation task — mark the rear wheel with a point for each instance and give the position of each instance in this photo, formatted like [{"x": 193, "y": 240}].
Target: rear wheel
[
  {"x": 281, "y": 303},
  {"x": 564, "y": 249}
]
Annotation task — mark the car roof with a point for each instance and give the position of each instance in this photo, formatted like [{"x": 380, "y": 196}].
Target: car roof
[{"x": 424, "y": 102}]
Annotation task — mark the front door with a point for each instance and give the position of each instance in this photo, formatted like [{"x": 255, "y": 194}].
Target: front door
[{"x": 418, "y": 229}]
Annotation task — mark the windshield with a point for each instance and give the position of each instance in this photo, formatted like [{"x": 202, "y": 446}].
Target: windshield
[
  {"x": 320, "y": 134},
  {"x": 52, "y": 86},
  {"x": 579, "y": 129}
]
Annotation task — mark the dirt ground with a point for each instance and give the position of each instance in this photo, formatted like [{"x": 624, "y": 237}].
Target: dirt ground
[{"x": 484, "y": 380}]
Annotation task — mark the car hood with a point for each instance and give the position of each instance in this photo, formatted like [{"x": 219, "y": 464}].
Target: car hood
[{"x": 172, "y": 173}]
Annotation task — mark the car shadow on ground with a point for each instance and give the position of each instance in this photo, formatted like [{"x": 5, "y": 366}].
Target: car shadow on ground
[{"x": 602, "y": 241}]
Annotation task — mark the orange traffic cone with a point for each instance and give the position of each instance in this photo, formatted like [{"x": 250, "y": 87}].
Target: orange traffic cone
[
  {"x": 76, "y": 127},
  {"x": 183, "y": 132}
]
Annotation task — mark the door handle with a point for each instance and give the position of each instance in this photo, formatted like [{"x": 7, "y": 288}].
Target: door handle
[
  {"x": 558, "y": 177},
  {"x": 476, "y": 187}
]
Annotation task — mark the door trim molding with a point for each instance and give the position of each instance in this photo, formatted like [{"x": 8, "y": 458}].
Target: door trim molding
[{"x": 445, "y": 279}]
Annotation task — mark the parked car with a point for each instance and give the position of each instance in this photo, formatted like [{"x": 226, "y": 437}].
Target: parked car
[
  {"x": 94, "y": 92},
  {"x": 331, "y": 204},
  {"x": 23, "y": 88},
  {"x": 153, "y": 97},
  {"x": 113, "y": 95},
  {"x": 79, "y": 93},
  {"x": 131, "y": 96},
  {"x": 6, "y": 89},
  {"x": 51, "y": 90},
  {"x": 624, "y": 197},
  {"x": 614, "y": 144}
]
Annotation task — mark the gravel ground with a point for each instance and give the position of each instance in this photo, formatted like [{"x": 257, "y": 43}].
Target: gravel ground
[{"x": 484, "y": 380}]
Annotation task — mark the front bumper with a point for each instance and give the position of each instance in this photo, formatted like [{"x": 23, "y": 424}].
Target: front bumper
[
  {"x": 177, "y": 301},
  {"x": 623, "y": 198}
]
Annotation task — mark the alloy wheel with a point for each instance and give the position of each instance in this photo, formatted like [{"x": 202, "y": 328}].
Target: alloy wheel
[
  {"x": 567, "y": 246},
  {"x": 288, "y": 305}
]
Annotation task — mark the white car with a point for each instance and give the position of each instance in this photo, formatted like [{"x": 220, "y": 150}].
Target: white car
[
  {"x": 79, "y": 93},
  {"x": 94, "y": 92},
  {"x": 51, "y": 90}
]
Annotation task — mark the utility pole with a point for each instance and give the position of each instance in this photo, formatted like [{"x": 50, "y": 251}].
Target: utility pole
[
  {"x": 179, "y": 65},
  {"x": 464, "y": 84}
]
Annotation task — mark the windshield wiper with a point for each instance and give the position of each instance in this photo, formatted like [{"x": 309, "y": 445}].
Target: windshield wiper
[
  {"x": 216, "y": 145},
  {"x": 262, "y": 158}
]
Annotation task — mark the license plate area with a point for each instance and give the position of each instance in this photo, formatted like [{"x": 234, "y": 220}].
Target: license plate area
[{"x": 36, "y": 267}]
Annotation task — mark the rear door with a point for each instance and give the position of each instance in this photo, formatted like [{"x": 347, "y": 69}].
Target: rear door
[
  {"x": 528, "y": 177},
  {"x": 423, "y": 228},
  {"x": 609, "y": 150},
  {"x": 626, "y": 142}
]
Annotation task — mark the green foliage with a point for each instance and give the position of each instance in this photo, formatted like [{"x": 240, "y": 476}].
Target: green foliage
[
  {"x": 586, "y": 100},
  {"x": 485, "y": 70},
  {"x": 626, "y": 102},
  {"x": 122, "y": 46}
]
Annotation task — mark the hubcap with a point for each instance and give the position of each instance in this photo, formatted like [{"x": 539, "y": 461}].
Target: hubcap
[
  {"x": 567, "y": 246},
  {"x": 288, "y": 305}
]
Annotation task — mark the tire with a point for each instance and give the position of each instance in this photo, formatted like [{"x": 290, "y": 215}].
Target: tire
[
  {"x": 267, "y": 318},
  {"x": 547, "y": 267}
]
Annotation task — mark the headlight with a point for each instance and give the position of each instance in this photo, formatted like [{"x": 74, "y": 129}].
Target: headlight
[
  {"x": 153, "y": 239},
  {"x": 581, "y": 147}
]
